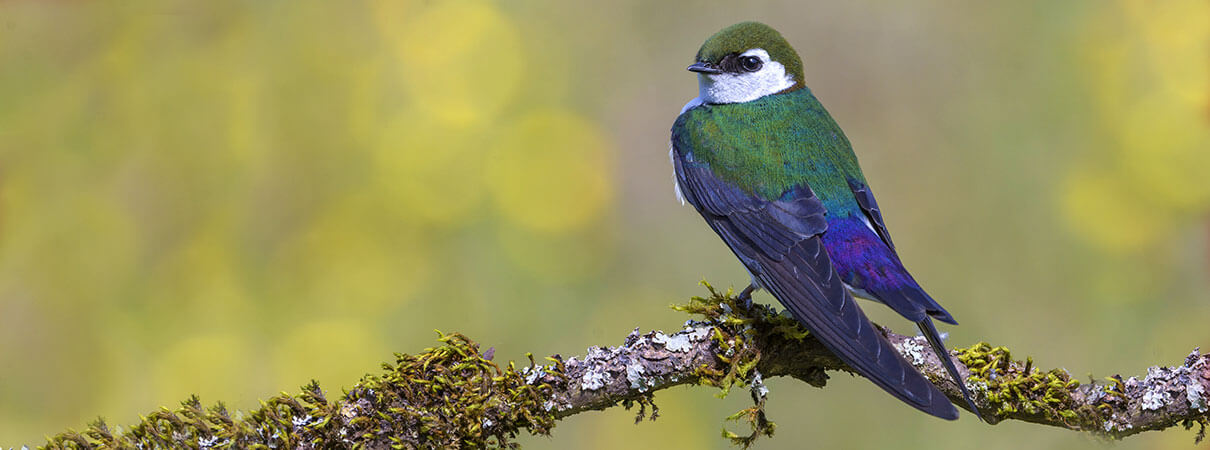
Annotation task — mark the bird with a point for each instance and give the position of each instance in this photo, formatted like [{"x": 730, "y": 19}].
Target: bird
[{"x": 770, "y": 171}]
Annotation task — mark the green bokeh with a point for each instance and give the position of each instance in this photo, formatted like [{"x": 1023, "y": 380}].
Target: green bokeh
[{"x": 232, "y": 198}]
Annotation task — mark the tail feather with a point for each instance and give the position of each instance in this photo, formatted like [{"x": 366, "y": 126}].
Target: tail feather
[
  {"x": 911, "y": 302},
  {"x": 934, "y": 338},
  {"x": 805, "y": 282}
]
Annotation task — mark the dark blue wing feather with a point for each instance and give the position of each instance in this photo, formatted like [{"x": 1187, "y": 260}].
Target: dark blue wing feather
[
  {"x": 779, "y": 242},
  {"x": 907, "y": 297},
  {"x": 869, "y": 206}
]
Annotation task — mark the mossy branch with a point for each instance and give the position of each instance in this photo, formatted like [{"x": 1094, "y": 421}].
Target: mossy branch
[{"x": 454, "y": 395}]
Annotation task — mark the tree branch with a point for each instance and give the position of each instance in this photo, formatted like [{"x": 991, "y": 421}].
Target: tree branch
[{"x": 454, "y": 395}]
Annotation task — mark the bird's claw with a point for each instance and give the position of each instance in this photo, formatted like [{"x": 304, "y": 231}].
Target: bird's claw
[{"x": 745, "y": 297}]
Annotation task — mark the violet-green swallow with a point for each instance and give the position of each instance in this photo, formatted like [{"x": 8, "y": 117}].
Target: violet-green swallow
[{"x": 775, "y": 177}]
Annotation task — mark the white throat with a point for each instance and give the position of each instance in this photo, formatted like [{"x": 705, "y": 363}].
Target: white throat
[{"x": 745, "y": 87}]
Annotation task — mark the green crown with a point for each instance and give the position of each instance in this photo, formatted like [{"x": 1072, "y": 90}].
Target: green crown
[{"x": 745, "y": 36}]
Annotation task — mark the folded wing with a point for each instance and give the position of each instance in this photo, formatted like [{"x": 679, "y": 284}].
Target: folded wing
[{"x": 779, "y": 242}]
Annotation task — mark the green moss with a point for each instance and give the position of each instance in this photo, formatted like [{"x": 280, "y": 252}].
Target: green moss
[
  {"x": 644, "y": 400},
  {"x": 450, "y": 395},
  {"x": 733, "y": 331},
  {"x": 1201, "y": 422},
  {"x": 1018, "y": 388}
]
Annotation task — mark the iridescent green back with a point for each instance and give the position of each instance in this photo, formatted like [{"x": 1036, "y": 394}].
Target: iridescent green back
[{"x": 770, "y": 145}]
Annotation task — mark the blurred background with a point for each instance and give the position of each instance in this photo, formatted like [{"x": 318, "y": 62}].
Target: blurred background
[{"x": 232, "y": 198}]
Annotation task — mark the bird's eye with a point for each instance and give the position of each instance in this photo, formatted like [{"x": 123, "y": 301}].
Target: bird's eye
[{"x": 750, "y": 63}]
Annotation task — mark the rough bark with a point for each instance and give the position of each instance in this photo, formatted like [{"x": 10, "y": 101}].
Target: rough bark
[{"x": 454, "y": 395}]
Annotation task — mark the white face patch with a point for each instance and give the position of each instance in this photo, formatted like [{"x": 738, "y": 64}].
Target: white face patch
[{"x": 747, "y": 86}]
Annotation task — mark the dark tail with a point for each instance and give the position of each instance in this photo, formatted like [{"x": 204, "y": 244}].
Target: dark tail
[
  {"x": 934, "y": 338},
  {"x": 911, "y": 302},
  {"x": 805, "y": 282}
]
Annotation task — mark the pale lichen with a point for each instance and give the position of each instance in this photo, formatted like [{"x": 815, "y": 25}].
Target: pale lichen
[
  {"x": 1155, "y": 398},
  {"x": 678, "y": 342},
  {"x": 913, "y": 350},
  {"x": 1163, "y": 385},
  {"x": 593, "y": 380},
  {"x": 1195, "y": 391},
  {"x": 634, "y": 374}
]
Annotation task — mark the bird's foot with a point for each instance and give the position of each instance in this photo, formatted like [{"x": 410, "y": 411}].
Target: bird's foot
[{"x": 745, "y": 297}]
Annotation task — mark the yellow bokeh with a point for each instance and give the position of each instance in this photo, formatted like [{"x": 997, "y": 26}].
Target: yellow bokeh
[
  {"x": 245, "y": 137},
  {"x": 1174, "y": 44},
  {"x": 335, "y": 352},
  {"x": 551, "y": 172},
  {"x": 460, "y": 61},
  {"x": 558, "y": 257},
  {"x": 198, "y": 282},
  {"x": 1165, "y": 155},
  {"x": 1146, "y": 48},
  {"x": 233, "y": 198},
  {"x": 1101, "y": 210},
  {"x": 205, "y": 364},
  {"x": 351, "y": 259},
  {"x": 428, "y": 170},
  {"x": 1149, "y": 76},
  {"x": 390, "y": 16}
]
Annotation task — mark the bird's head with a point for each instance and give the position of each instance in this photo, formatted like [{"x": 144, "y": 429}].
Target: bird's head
[{"x": 744, "y": 62}]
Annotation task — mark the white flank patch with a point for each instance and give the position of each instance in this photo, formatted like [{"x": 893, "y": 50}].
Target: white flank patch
[
  {"x": 680, "y": 196},
  {"x": 676, "y": 185},
  {"x": 869, "y": 225},
  {"x": 744, "y": 87},
  {"x": 859, "y": 292}
]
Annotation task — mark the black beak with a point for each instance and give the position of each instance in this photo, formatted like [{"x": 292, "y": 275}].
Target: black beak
[{"x": 704, "y": 67}]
